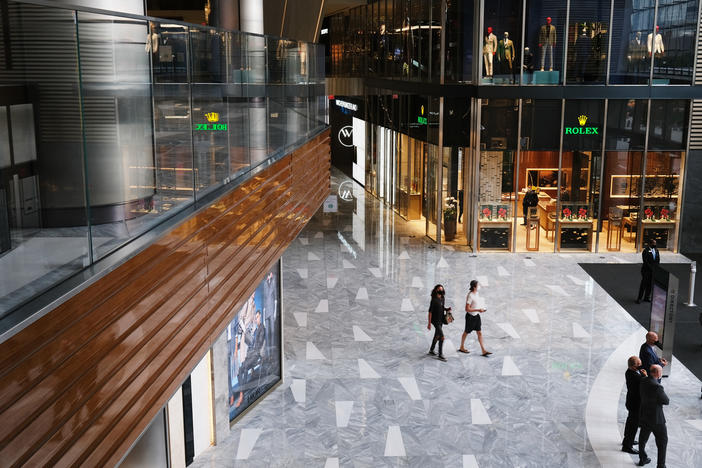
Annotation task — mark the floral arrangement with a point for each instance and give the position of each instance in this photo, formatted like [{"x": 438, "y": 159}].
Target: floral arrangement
[
  {"x": 502, "y": 214},
  {"x": 567, "y": 213},
  {"x": 487, "y": 213},
  {"x": 582, "y": 213},
  {"x": 450, "y": 211},
  {"x": 665, "y": 214},
  {"x": 648, "y": 213}
]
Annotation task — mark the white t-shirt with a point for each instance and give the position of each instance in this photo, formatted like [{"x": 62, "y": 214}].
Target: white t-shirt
[{"x": 474, "y": 301}]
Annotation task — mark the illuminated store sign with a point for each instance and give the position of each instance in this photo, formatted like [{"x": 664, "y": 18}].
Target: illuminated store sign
[
  {"x": 421, "y": 119},
  {"x": 212, "y": 118},
  {"x": 582, "y": 129}
]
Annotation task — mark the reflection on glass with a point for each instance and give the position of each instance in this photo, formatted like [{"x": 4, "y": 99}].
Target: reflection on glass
[
  {"x": 673, "y": 44},
  {"x": 626, "y": 124},
  {"x": 632, "y": 25},
  {"x": 588, "y": 36}
]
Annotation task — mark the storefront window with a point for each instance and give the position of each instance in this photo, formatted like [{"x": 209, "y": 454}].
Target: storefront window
[
  {"x": 588, "y": 36},
  {"x": 459, "y": 41},
  {"x": 621, "y": 200},
  {"x": 631, "y": 26},
  {"x": 668, "y": 125},
  {"x": 661, "y": 188},
  {"x": 543, "y": 50},
  {"x": 502, "y": 35},
  {"x": 674, "y": 42},
  {"x": 626, "y": 124}
]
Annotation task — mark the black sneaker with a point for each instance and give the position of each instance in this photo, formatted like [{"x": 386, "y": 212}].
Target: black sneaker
[
  {"x": 441, "y": 358},
  {"x": 431, "y": 351}
]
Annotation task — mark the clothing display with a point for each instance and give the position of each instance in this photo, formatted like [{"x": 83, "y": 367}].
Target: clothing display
[
  {"x": 547, "y": 41},
  {"x": 636, "y": 55},
  {"x": 657, "y": 44},
  {"x": 505, "y": 55},
  {"x": 489, "y": 50}
]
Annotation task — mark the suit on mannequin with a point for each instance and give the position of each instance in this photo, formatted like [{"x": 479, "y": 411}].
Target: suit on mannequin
[
  {"x": 505, "y": 55},
  {"x": 655, "y": 45},
  {"x": 547, "y": 42},
  {"x": 489, "y": 50}
]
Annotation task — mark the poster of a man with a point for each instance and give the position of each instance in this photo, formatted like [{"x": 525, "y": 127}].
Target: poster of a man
[{"x": 253, "y": 340}]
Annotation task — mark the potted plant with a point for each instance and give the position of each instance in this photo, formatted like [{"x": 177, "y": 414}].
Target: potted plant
[{"x": 450, "y": 216}]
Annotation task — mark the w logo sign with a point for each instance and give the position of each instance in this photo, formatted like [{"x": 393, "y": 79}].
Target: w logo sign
[
  {"x": 346, "y": 136},
  {"x": 345, "y": 190}
]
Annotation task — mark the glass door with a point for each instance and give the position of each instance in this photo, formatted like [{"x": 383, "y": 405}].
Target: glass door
[{"x": 431, "y": 190}]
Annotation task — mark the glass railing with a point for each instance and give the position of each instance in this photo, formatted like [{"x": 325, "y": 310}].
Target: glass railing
[{"x": 111, "y": 124}]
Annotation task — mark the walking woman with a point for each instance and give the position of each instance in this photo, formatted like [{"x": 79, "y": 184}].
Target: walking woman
[
  {"x": 474, "y": 307},
  {"x": 436, "y": 318}
]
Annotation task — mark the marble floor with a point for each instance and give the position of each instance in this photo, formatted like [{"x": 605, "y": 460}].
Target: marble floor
[{"x": 359, "y": 389}]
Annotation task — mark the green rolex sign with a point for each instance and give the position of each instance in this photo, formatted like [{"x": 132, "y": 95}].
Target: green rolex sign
[
  {"x": 582, "y": 129},
  {"x": 213, "y": 125}
]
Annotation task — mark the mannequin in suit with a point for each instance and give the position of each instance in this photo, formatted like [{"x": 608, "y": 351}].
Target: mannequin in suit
[
  {"x": 651, "y": 258},
  {"x": 547, "y": 42},
  {"x": 651, "y": 416},
  {"x": 505, "y": 55},
  {"x": 489, "y": 50}
]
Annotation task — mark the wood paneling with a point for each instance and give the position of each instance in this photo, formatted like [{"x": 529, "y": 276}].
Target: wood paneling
[{"x": 78, "y": 386}]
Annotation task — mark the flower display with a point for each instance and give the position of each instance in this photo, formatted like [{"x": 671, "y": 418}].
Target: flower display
[
  {"x": 450, "y": 208},
  {"x": 649, "y": 213},
  {"x": 567, "y": 213},
  {"x": 487, "y": 213},
  {"x": 665, "y": 214},
  {"x": 502, "y": 213},
  {"x": 582, "y": 213}
]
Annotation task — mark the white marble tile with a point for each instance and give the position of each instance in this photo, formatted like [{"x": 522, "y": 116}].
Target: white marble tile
[
  {"x": 509, "y": 329},
  {"x": 332, "y": 462},
  {"x": 300, "y": 318},
  {"x": 483, "y": 280},
  {"x": 403, "y": 255},
  {"x": 247, "y": 440},
  {"x": 331, "y": 281},
  {"x": 579, "y": 331},
  {"x": 509, "y": 367},
  {"x": 348, "y": 265},
  {"x": 302, "y": 272},
  {"x": 532, "y": 315},
  {"x": 311, "y": 257},
  {"x": 450, "y": 349},
  {"x": 375, "y": 272},
  {"x": 417, "y": 282},
  {"x": 313, "y": 353},
  {"x": 557, "y": 289},
  {"x": 469, "y": 461},
  {"x": 410, "y": 386},
  {"x": 478, "y": 413},
  {"x": 322, "y": 307},
  {"x": 366, "y": 371},
  {"x": 343, "y": 412},
  {"x": 529, "y": 262},
  {"x": 360, "y": 335},
  {"x": 501, "y": 271},
  {"x": 362, "y": 294},
  {"x": 298, "y": 388},
  {"x": 304, "y": 241},
  {"x": 576, "y": 281},
  {"x": 696, "y": 423},
  {"x": 442, "y": 263},
  {"x": 394, "y": 446},
  {"x": 406, "y": 305}
]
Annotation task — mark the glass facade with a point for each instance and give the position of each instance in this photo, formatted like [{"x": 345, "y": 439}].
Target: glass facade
[{"x": 138, "y": 120}]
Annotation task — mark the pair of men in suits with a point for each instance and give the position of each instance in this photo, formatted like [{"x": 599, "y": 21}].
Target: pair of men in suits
[{"x": 651, "y": 258}]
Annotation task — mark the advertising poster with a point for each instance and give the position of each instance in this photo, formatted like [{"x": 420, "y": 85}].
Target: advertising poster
[
  {"x": 658, "y": 300},
  {"x": 253, "y": 345}
]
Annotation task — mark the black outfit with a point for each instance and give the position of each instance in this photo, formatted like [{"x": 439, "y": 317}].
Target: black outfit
[
  {"x": 648, "y": 357},
  {"x": 652, "y": 419},
  {"x": 473, "y": 323},
  {"x": 651, "y": 259},
  {"x": 437, "y": 310},
  {"x": 531, "y": 198},
  {"x": 633, "y": 404}
]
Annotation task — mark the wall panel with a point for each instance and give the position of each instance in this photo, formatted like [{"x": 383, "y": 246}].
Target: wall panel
[{"x": 80, "y": 385}]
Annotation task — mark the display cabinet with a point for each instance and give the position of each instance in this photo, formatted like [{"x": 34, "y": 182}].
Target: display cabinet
[
  {"x": 495, "y": 226},
  {"x": 658, "y": 222},
  {"x": 574, "y": 227}
]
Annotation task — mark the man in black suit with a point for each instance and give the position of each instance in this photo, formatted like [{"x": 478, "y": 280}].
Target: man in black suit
[
  {"x": 651, "y": 416},
  {"x": 647, "y": 353},
  {"x": 651, "y": 258},
  {"x": 633, "y": 402}
]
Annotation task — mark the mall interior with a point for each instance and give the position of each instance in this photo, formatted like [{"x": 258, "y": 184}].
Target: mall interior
[{"x": 221, "y": 222}]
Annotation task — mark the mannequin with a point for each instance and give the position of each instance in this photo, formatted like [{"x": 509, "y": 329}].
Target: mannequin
[
  {"x": 489, "y": 50},
  {"x": 658, "y": 48},
  {"x": 505, "y": 55},
  {"x": 636, "y": 52},
  {"x": 583, "y": 52},
  {"x": 547, "y": 41}
]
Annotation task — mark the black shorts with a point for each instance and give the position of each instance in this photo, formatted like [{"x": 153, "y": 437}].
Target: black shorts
[{"x": 472, "y": 323}]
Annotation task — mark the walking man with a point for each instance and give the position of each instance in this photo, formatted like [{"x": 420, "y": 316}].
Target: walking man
[
  {"x": 633, "y": 377},
  {"x": 651, "y": 258},
  {"x": 651, "y": 416}
]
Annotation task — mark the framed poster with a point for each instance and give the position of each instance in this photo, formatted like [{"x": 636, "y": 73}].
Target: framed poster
[{"x": 254, "y": 345}]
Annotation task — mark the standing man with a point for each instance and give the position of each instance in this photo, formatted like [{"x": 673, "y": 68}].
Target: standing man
[
  {"x": 633, "y": 403},
  {"x": 647, "y": 353},
  {"x": 651, "y": 415},
  {"x": 651, "y": 258}
]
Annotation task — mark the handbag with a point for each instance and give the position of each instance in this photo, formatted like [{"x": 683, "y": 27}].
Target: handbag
[{"x": 448, "y": 318}]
